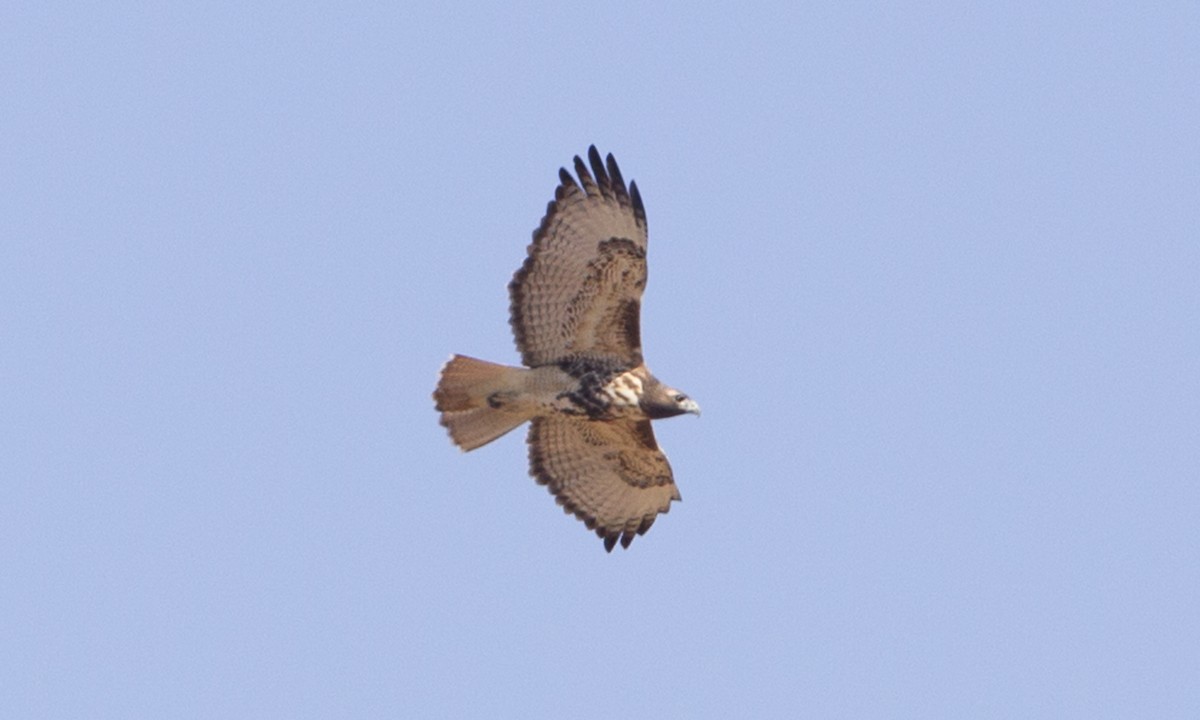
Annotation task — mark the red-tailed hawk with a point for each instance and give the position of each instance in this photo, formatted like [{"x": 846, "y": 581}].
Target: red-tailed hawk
[{"x": 575, "y": 309}]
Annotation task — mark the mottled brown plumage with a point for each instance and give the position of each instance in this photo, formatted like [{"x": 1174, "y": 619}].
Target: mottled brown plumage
[
  {"x": 580, "y": 288},
  {"x": 575, "y": 312}
]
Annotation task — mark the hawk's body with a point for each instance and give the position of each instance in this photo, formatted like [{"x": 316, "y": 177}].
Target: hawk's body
[{"x": 575, "y": 315}]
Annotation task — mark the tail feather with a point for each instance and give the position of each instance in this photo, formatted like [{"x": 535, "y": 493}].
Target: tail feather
[
  {"x": 470, "y": 429},
  {"x": 471, "y": 395}
]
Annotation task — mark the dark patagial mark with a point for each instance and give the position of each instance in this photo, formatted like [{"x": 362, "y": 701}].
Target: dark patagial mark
[
  {"x": 629, "y": 319},
  {"x": 621, "y": 246}
]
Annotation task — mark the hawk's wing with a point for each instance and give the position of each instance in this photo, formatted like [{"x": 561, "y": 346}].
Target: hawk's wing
[
  {"x": 611, "y": 475},
  {"x": 580, "y": 289}
]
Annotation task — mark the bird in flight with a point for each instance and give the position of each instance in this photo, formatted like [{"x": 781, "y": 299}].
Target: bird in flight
[{"x": 575, "y": 308}]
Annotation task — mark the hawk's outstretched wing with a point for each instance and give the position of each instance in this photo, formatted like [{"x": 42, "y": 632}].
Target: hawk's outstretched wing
[
  {"x": 611, "y": 475},
  {"x": 580, "y": 289}
]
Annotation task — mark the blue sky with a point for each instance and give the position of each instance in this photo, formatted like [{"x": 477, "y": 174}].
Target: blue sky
[{"x": 930, "y": 269}]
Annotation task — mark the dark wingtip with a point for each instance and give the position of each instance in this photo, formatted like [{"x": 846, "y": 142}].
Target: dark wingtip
[
  {"x": 598, "y": 171},
  {"x": 585, "y": 178},
  {"x": 639, "y": 210},
  {"x": 614, "y": 172},
  {"x": 646, "y": 523},
  {"x": 565, "y": 177},
  {"x": 610, "y": 542}
]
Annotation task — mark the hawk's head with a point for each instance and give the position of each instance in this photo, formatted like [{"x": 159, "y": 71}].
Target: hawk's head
[{"x": 660, "y": 401}]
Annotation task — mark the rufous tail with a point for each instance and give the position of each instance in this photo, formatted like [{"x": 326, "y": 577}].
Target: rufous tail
[{"x": 474, "y": 397}]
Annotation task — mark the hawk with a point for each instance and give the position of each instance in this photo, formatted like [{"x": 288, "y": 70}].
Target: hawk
[{"x": 585, "y": 390}]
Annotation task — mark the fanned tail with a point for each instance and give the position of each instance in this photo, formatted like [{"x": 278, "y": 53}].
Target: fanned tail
[{"x": 474, "y": 397}]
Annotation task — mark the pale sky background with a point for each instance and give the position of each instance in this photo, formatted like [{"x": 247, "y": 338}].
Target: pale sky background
[{"x": 930, "y": 269}]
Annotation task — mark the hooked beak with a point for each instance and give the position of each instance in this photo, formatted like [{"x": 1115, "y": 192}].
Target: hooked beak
[{"x": 690, "y": 406}]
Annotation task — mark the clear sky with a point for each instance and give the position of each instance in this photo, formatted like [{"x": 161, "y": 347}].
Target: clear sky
[{"x": 930, "y": 269}]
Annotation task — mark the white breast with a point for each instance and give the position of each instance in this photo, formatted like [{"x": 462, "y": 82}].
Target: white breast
[{"x": 624, "y": 390}]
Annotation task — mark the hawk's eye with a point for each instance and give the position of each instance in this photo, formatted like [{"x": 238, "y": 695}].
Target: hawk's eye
[{"x": 680, "y": 398}]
